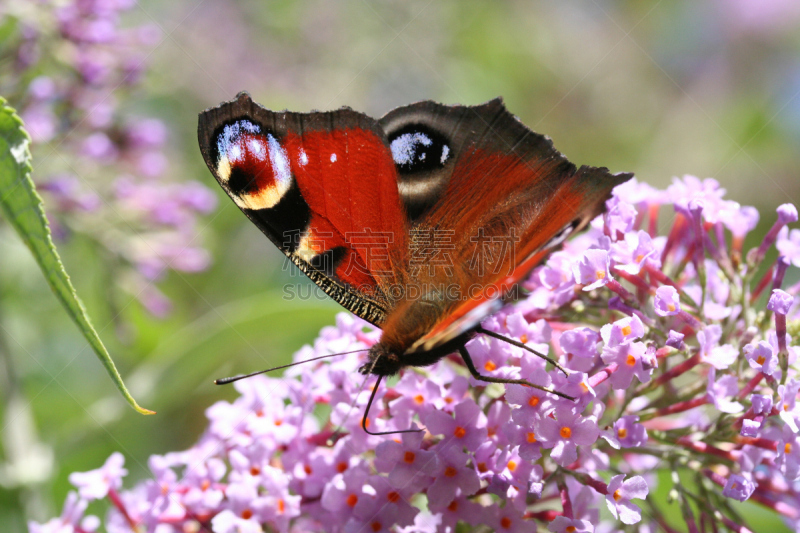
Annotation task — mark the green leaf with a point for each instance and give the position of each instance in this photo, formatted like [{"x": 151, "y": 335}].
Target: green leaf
[{"x": 22, "y": 205}]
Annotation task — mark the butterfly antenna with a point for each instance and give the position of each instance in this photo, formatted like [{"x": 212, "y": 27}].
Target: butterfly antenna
[
  {"x": 518, "y": 344},
  {"x": 225, "y": 381},
  {"x": 472, "y": 370}
]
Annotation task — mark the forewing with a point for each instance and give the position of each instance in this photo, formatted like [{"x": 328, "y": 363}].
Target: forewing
[{"x": 321, "y": 186}]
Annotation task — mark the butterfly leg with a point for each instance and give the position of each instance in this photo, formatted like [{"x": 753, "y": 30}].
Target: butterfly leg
[
  {"x": 474, "y": 371},
  {"x": 518, "y": 344}
]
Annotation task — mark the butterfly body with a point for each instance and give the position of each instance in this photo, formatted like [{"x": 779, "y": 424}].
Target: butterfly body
[{"x": 422, "y": 222}]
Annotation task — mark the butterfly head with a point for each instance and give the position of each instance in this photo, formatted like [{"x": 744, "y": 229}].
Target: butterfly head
[{"x": 382, "y": 361}]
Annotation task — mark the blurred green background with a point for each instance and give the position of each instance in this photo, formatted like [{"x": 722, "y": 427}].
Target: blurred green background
[{"x": 710, "y": 88}]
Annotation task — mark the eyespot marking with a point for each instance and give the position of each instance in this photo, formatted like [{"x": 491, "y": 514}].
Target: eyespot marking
[
  {"x": 252, "y": 165},
  {"x": 417, "y": 148}
]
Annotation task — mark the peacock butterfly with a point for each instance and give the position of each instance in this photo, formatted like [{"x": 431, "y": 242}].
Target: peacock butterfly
[{"x": 422, "y": 222}]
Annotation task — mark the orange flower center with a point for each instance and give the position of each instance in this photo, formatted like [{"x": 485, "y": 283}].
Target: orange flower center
[
  {"x": 630, "y": 360},
  {"x": 482, "y": 468},
  {"x": 565, "y": 432},
  {"x": 512, "y": 465},
  {"x": 376, "y": 526},
  {"x": 671, "y": 308},
  {"x": 617, "y": 495},
  {"x": 352, "y": 500},
  {"x": 307, "y": 469},
  {"x": 419, "y": 399},
  {"x": 393, "y": 496},
  {"x": 523, "y": 339},
  {"x": 571, "y": 529},
  {"x": 281, "y": 506},
  {"x": 622, "y": 433},
  {"x": 254, "y": 471},
  {"x": 460, "y": 432},
  {"x": 626, "y": 330},
  {"x": 530, "y": 437},
  {"x": 600, "y": 274},
  {"x": 453, "y": 507},
  {"x": 788, "y": 447},
  {"x": 341, "y": 467},
  {"x": 450, "y": 471},
  {"x": 205, "y": 485},
  {"x": 505, "y": 522},
  {"x": 533, "y": 401},
  {"x": 489, "y": 366},
  {"x": 278, "y": 421},
  {"x": 247, "y": 513},
  {"x": 761, "y": 359},
  {"x": 409, "y": 457}
]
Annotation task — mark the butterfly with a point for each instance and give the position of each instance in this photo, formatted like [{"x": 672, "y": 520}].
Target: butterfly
[{"x": 422, "y": 222}]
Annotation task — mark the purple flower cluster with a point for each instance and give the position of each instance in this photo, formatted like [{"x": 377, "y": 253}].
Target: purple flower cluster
[
  {"x": 676, "y": 363},
  {"x": 103, "y": 173}
]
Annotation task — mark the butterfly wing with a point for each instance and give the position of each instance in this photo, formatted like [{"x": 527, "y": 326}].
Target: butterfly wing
[
  {"x": 502, "y": 193},
  {"x": 321, "y": 186}
]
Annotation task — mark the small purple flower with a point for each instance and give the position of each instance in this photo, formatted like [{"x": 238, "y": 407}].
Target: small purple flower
[
  {"x": 382, "y": 507},
  {"x": 762, "y": 404},
  {"x": 147, "y": 133},
  {"x": 417, "y": 396},
  {"x": 619, "y": 218},
  {"x": 719, "y": 390},
  {"x": 750, "y": 428},
  {"x": 787, "y": 213},
  {"x": 632, "y": 253},
  {"x": 667, "y": 302},
  {"x": 408, "y": 465},
  {"x": 738, "y": 487},
  {"x": 720, "y": 357},
  {"x": 99, "y": 146},
  {"x": 631, "y": 359},
  {"x": 71, "y": 519},
  {"x": 620, "y": 494},
  {"x": 95, "y": 484},
  {"x": 629, "y": 433},
  {"x": 780, "y": 302},
  {"x": 740, "y": 220},
  {"x": 343, "y": 492},
  {"x": 789, "y": 245},
  {"x": 511, "y": 520},
  {"x": 533, "y": 402},
  {"x": 593, "y": 269},
  {"x": 467, "y": 428},
  {"x": 788, "y": 458},
  {"x": 675, "y": 340},
  {"x": 460, "y": 509},
  {"x": 623, "y": 330},
  {"x": 565, "y": 433},
  {"x": 41, "y": 122},
  {"x": 580, "y": 346},
  {"x": 761, "y": 357},
  {"x": 787, "y": 405},
  {"x": 562, "y": 524},
  {"x": 453, "y": 476}
]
